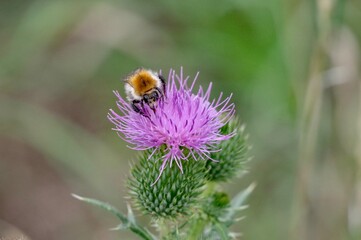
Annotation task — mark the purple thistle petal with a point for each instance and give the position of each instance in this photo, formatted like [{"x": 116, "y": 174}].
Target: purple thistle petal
[{"x": 182, "y": 120}]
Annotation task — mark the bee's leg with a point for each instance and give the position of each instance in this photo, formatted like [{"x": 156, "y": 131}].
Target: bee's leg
[
  {"x": 135, "y": 107},
  {"x": 142, "y": 105},
  {"x": 144, "y": 111},
  {"x": 158, "y": 95},
  {"x": 153, "y": 99}
]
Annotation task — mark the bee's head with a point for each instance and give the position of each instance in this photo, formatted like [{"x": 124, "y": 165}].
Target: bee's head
[{"x": 151, "y": 99}]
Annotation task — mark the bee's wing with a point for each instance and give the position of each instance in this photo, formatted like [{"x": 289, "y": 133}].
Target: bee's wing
[{"x": 162, "y": 79}]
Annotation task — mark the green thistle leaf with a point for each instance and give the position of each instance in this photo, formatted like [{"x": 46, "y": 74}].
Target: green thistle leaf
[
  {"x": 237, "y": 204},
  {"x": 173, "y": 194},
  {"x": 232, "y": 154},
  {"x": 127, "y": 222}
]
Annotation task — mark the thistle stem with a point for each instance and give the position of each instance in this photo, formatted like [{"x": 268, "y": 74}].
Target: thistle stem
[
  {"x": 210, "y": 189},
  {"x": 197, "y": 229},
  {"x": 198, "y": 226},
  {"x": 162, "y": 228}
]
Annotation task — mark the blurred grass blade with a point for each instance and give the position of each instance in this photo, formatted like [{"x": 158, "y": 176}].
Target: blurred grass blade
[
  {"x": 73, "y": 149},
  {"x": 37, "y": 29}
]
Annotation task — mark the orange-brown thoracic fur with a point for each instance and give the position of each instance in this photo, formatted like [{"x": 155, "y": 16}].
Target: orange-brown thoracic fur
[{"x": 142, "y": 82}]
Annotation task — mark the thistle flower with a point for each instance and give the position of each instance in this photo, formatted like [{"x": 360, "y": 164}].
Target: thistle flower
[
  {"x": 175, "y": 124},
  {"x": 186, "y": 124}
]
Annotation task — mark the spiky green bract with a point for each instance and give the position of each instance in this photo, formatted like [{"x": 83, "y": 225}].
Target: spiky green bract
[
  {"x": 216, "y": 204},
  {"x": 231, "y": 154},
  {"x": 223, "y": 213},
  {"x": 173, "y": 194}
]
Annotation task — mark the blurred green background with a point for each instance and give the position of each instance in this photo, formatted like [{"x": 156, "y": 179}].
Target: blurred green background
[{"x": 293, "y": 67}]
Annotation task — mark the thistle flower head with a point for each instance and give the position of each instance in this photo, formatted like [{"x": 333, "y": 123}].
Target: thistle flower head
[{"x": 185, "y": 123}]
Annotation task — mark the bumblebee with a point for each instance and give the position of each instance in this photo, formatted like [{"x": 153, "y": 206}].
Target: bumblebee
[{"x": 144, "y": 87}]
